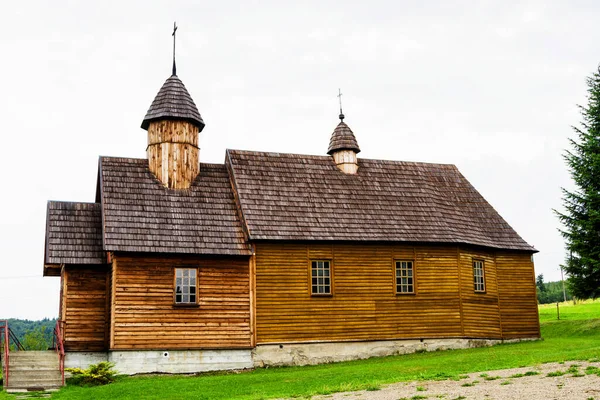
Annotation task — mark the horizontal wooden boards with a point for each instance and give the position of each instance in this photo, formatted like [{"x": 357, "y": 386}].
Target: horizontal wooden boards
[
  {"x": 144, "y": 314},
  {"x": 517, "y": 293},
  {"x": 364, "y": 305},
  {"x": 85, "y": 310}
]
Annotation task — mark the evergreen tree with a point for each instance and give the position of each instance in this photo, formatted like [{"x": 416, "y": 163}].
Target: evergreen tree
[
  {"x": 581, "y": 219},
  {"x": 539, "y": 282}
]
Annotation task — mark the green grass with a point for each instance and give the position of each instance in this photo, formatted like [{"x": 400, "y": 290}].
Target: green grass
[
  {"x": 574, "y": 337},
  {"x": 568, "y": 311}
]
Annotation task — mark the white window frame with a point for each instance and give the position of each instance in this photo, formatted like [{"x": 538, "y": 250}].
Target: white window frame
[
  {"x": 185, "y": 286},
  {"x": 479, "y": 276}
]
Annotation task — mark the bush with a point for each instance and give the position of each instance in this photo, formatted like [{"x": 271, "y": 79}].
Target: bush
[{"x": 96, "y": 374}]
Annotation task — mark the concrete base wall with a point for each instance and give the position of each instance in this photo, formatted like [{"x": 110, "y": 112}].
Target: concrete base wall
[
  {"x": 164, "y": 361},
  {"x": 84, "y": 359},
  {"x": 179, "y": 361},
  {"x": 319, "y": 353},
  {"x": 191, "y": 361}
]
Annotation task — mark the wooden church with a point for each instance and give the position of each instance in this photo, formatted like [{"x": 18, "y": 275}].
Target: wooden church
[{"x": 279, "y": 259}]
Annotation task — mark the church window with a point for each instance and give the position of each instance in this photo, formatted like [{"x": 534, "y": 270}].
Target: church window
[
  {"x": 185, "y": 285},
  {"x": 320, "y": 277},
  {"x": 478, "y": 276},
  {"x": 405, "y": 279}
]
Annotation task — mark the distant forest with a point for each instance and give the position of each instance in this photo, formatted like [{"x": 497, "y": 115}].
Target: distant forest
[
  {"x": 551, "y": 292},
  {"x": 34, "y": 335}
]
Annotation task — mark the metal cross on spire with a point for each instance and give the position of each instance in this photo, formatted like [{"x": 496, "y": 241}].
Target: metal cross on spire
[
  {"x": 174, "y": 31},
  {"x": 340, "y": 97}
]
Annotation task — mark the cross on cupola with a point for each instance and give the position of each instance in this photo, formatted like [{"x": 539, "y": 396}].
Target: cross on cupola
[
  {"x": 340, "y": 97},
  {"x": 343, "y": 146},
  {"x": 174, "y": 39}
]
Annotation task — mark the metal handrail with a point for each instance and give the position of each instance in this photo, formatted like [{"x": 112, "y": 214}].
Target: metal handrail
[
  {"x": 8, "y": 336},
  {"x": 6, "y": 351},
  {"x": 58, "y": 344}
]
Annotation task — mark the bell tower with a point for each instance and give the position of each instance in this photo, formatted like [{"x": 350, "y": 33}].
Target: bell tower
[
  {"x": 173, "y": 124},
  {"x": 343, "y": 146}
]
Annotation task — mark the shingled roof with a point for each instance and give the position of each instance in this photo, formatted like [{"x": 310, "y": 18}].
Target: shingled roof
[
  {"x": 343, "y": 139},
  {"x": 141, "y": 215},
  {"x": 301, "y": 197},
  {"x": 173, "y": 102},
  {"x": 73, "y": 234}
]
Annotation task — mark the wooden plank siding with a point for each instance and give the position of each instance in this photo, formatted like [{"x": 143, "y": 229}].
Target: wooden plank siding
[
  {"x": 364, "y": 304},
  {"x": 144, "y": 315},
  {"x": 84, "y": 307},
  {"x": 517, "y": 293},
  {"x": 481, "y": 317}
]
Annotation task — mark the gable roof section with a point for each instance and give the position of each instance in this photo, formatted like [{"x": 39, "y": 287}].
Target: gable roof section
[
  {"x": 73, "y": 234},
  {"x": 301, "y": 197},
  {"x": 141, "y": 215}
]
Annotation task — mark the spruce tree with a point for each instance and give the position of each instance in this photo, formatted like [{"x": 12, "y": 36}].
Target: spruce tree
[{"x": 581, "y": 220}]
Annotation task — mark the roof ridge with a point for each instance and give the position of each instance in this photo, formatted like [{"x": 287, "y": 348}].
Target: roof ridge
[{"x": 261, "y": 153}]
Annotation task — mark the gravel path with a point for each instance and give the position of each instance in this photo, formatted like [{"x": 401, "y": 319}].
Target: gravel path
[{"x": 498, "y": 385}]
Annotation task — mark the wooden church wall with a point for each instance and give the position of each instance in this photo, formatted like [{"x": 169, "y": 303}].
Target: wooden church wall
[
  {"x": 365, "y": 306},
  {"x": 481, "y": 315},
  {"x": 144, "y": 315},
  {"x": 84, "y": 307},
  {"x": 517, "y": 293}
]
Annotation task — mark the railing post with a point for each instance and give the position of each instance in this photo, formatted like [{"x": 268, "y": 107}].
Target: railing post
[
  {"x": 6, "y": 352},
  {"x": 58, "y": 339}
]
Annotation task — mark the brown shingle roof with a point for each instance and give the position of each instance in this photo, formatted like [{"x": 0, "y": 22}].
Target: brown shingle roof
[
  {"x": 300, "y": 197},
  {"x": 173, "y": 102},
  {"x": 141, "y": 215},
  {"x": 73, "y": 233},
  {"x": 342, "y": 138}
]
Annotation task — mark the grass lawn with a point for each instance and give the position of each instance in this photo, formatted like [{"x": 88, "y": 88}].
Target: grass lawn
[{"x": 575, "y": 337}]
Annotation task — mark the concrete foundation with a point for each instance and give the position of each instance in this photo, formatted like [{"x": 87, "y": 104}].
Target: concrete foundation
[
  {"x": 320, "y": 353},
  {"x": 84, "y": 359},
  {"x": 164, "y": 361},
  {"x": 191, "y": 361},
  {"x": 179, "y": 361}
]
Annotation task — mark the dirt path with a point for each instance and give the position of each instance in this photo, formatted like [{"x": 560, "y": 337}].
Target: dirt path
[{"x": 498, "y": 385}]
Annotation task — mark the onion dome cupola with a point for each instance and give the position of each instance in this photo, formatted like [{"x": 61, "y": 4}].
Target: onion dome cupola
[
  {"x": 173, "y": 124},
  {"x": 344, "y": 147}
]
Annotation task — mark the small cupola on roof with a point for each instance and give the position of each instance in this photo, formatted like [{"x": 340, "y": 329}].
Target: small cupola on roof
[
  {"x": 173, "y": 124},
  {"x": 343, "y": 146}
]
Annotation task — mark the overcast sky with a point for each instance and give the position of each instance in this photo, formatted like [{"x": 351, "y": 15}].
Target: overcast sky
[{"x": 491, "y": 88}]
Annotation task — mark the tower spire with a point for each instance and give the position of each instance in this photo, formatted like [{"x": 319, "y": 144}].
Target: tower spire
[
  {"x": 174, "y": 32},
  {"x": 340, "y": 97}
]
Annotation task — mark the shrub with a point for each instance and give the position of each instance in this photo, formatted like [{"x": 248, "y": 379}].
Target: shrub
[{"x": 96, "y": 374}]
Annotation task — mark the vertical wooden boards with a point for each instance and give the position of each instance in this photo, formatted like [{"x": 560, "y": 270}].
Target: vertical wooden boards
[
  {"x": 517, "y": 293},
  {"x": 63, "y": 287},
  {"x": 145, "y": 316},
  {"x": 84, "y": 309},
  {"x": 481, "y": 317},
  {"x": 364, "y": 305},
  {"x": 173, "y": 154},
  {"x": 113, "y": 276}
]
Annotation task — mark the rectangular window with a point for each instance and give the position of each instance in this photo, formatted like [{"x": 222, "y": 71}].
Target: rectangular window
[
  {"x": 478, "y": 276},
  {"x": 320, "y": 277},
  {"x": 185, "y": 285},
  {"x": 405, "y": 280}
]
